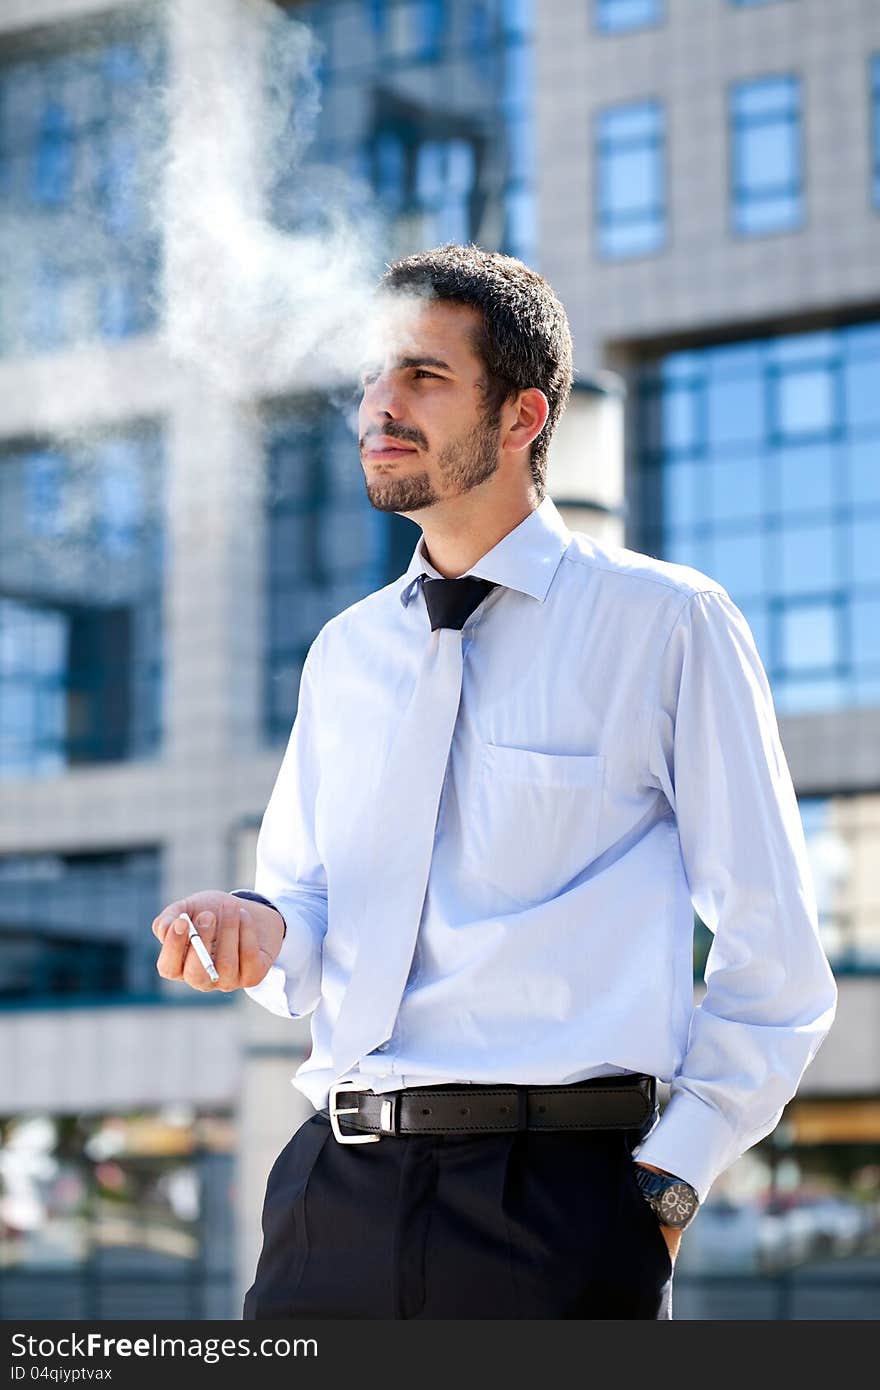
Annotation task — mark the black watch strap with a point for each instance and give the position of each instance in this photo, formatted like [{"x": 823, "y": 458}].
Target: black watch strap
[
  {"x": 258, "y": 898},
  {"x": 674, "y": 1200}
]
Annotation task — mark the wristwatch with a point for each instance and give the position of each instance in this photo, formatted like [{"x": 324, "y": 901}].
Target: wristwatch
[{"x": 673, "y": 1200}]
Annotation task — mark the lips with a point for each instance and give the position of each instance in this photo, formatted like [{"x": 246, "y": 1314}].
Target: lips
[{"x": 387, "y": 449}]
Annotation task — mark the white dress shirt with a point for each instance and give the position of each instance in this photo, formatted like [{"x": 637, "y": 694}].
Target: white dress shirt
[{"x": 616, "y": 762}]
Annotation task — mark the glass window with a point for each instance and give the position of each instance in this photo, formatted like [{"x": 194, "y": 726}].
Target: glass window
[
  {"x": 681, "y": 419},
  {"x": 630, "y": 202},
  {"x": 809, "y": 637},
  {"x": 761, "y": 463},
  {"x": 866, "y": 631},
  {"x": 864, "y": 468},
  {"x": 445, "y": 168},
  {"x": 735, "y": 489},
  {"x": 79, "y": 133},
  {"x": 620, "y": 16},
  {"x": 805, "y": 402},
  {"x": 806, "y": 559},
  {"x": 72, "y": 926},
  {"x": 517, "y": 18},
  {"x": 80, "y": 630},
  {"x": 864, "y": 549},
  {"x": 681, "y": 491},
  {"x": 808, "y": 478},
  {"x": 861, "y": 381},
  {"x": 413, "y": 29},
  {"x": 734, "y": 410},
  {"x": 766, "y": 172}
]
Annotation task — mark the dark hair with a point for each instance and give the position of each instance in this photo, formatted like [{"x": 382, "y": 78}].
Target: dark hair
[{"x": 524, "y": 339}]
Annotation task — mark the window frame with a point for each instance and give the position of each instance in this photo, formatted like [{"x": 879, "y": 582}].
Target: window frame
[
  {"x": 602, "y": 220},
  {"x": 735, "y": 123}
]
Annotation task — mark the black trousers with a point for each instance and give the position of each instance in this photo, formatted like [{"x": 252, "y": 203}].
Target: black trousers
[{"x": 528, "y": 1225}]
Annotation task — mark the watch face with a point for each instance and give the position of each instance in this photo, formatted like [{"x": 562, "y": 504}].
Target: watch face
[{"x": 677, "y": 1204}]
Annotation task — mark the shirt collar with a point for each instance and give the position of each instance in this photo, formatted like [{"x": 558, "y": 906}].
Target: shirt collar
[{"x": 526, "y": 558}]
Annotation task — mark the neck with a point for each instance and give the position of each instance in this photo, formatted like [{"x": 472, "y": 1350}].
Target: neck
[{"x": 453, "y": 544}]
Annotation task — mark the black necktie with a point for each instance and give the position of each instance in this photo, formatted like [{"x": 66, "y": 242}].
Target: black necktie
[
  {"x": 452, "y": 601},
  {"x": 401, "y": 835}
]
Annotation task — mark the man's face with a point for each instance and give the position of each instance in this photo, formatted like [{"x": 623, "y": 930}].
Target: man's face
[{"x": 422, "y": 431}]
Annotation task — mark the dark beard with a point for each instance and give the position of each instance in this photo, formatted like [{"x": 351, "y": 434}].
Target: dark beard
[{"x": 464, "y": 463}]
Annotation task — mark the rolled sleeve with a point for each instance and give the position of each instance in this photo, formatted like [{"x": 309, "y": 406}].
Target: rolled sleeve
[
  {"x": 770, "y": 995},
  {"x": 289, "y": 871}
]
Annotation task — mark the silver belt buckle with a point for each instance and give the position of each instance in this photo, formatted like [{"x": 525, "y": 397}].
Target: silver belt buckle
[{"x": 334, "y": 1112}]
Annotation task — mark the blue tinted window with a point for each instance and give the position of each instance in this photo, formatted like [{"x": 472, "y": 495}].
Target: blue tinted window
[
  {"x": 327, "y": 545},
  {"x": 430, "y": 103},
  {"x": 681, "y": 418},
  {"x": 805, "y": 403},
  {"x": 72, "y": 926},
  {"x": 808, "y": 479},
  {"x": 734, "y": 410},
  {"x": 806, "y": 560},
  {"x": 810, "y": 638},
  {"x": 629, "y": 172},
  {"x": 861, "y": 382},
  {"x": 53, "y": 156},
  {"x": 735, "y": 488},
  {"x": 769, "y": 480},
  {"x": 766, "y": 173},
  {"x": 80, "y": 660},
  {"x": 866, "y": 630},
  {"x": 619, "y": 16},
  {"x": 863, "y": 469},
  {"x": 864, "y": 538},
  {"x": 431, "y": 19},
  {"x": 78, "y": 149}
]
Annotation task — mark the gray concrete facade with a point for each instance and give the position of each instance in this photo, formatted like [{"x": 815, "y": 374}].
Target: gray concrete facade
[{"x": 708, "y": 280}]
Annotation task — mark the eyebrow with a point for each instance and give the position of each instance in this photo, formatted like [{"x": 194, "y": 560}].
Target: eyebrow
[
  {"x": 424, "y": 362},
  {"x": 404, "y": 362}
]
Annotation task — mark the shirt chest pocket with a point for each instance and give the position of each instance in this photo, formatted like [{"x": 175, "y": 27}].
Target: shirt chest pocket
[{"x": 535, "y": 820}]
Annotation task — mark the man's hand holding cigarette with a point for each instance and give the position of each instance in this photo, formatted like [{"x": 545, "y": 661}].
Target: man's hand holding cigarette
[{"x": 242, "y": 938}]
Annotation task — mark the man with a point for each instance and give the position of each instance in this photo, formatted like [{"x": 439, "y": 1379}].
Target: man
[{"x": 513, "y": 773}]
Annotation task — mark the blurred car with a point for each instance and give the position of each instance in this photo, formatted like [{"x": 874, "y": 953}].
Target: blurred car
[
  {"x": 724, "y": 1239},
  {"x": 804, "y": 1226}
]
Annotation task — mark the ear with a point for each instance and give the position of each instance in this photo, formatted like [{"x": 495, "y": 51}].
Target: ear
[{"x": 528, "y": 416}]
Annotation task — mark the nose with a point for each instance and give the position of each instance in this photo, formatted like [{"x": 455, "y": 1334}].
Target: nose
[{"x": 381, "y": 398}]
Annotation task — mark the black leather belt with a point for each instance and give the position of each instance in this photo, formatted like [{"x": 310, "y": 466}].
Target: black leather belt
[{"x": 606, "y": 1102}]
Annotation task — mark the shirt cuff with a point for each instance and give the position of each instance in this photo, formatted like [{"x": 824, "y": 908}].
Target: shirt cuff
[
  {"x": 258, "y": 898},
  {"x": 271, "y": 992},
  {"x": 691, "y": 1140},
  {"x": 291, "y": 986}
]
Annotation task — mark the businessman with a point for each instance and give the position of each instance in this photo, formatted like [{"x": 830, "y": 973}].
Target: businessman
[{"x": 513, "y": 773}]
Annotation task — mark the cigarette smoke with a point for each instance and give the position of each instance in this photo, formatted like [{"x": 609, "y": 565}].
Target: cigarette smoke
[
  {"x": 253, "y": 306},
  {"x": 255, "y": 300}
]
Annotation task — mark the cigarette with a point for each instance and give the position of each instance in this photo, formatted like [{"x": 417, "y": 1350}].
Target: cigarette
[{"x": 200, "y": 948}]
